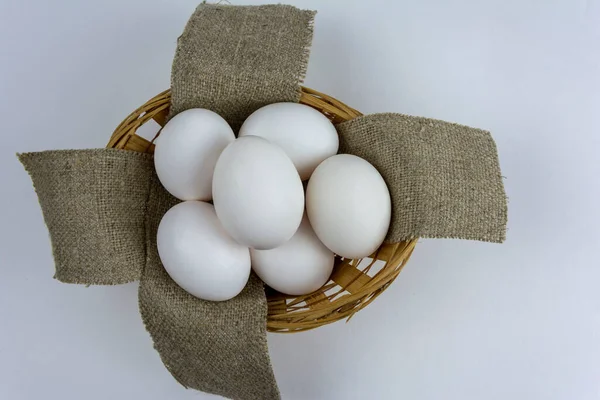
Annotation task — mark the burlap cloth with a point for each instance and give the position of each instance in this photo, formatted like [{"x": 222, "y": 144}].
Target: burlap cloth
[
  {"x": 444, "y": 178},
  {"x": 102, "y": 207},
  {"x": 94, "y": 204},
  {"x": 216, "y": 347},
  {"x": 245, "y": 58}
]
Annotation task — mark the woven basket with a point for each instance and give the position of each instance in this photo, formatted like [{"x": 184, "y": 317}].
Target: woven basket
[{"x": 354, "y": 283}]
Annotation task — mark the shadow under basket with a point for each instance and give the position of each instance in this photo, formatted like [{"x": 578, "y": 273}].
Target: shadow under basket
[{"x": 353, "y": 285}]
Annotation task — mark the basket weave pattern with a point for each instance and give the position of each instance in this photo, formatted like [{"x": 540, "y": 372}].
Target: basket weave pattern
[{"x": 353, "y": 285}]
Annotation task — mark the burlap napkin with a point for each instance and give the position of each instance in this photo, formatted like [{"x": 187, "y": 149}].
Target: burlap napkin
[
  {"x": 444, "y": 178},
  {"x": 94, "y": 204},
  {"x": 234, "y": 60},
  {"x": 216, "y": 347},
  {"x": 231, "y": 60}
]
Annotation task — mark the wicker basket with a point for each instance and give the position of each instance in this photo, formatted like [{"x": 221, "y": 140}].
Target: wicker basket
[{"x": 354, "y": 283}]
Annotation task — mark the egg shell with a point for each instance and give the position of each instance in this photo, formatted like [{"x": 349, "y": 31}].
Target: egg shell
[
  {"x": 187, "y": 150},
  {"x": 300, "y": 266},
  {"x": 199, "y": 255},
  {"x": 348, "y": 205},
  {"x": 306, "y": 135},
  {"x": 257, "y": 193}
]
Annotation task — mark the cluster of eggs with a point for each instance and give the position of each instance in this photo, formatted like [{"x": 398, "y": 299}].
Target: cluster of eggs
[{"x": 260, "y": 217}]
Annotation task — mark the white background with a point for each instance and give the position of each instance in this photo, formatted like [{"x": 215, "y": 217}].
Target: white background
[{"x": 465, "y": 320}]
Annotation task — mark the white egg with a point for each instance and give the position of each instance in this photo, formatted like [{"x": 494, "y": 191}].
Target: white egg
[
  {"x": 299, "y": 266},
  {"x": 257, "y": 193},
  {"x": 348, "y": 205},
  {"x": 306, "y": 135},
  {"x": 187, "y": 150},
  {"x": 199, "y": 255}
]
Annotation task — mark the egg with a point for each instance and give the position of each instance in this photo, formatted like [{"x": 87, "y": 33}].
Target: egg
[
  {"x": 257, "y": 193},
  {"x": 186, "y": 152},
  {"x": 348, "y": 205},
  {"x": 299, "y": 266},
  {"x": 306, "y": 135},
  {"x": 199, "y": 255}
]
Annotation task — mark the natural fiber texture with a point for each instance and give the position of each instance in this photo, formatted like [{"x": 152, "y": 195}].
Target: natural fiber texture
[
  {"x": 354, "y": 284},
  {"x": 93, "y": 202},
  {"x": 444, "y": 178},
  {"x": 233, "y": 60},
  {"x": 216, "y": 347},
  {"x": 102, "y": 208}
]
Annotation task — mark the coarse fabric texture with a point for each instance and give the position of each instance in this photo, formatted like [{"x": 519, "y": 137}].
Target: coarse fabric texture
[
  {"x": 94, "y": 203},
  {"x": 216, "y": 347},
  {"x": 444, "y": 178},
  {"x": 102, "y": 208},
  {"x": 235, "y": 59}
]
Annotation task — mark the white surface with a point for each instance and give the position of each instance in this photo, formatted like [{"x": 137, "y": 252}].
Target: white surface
[
  {"x": 306, "y": 135},
  {"x": 464, "y": 320},
  {"x": 257, "y": 193},
  {"x": 349, "y": 206},
  {"x": 199, "y": 255},
  {"x": 187, "y": 150}
]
